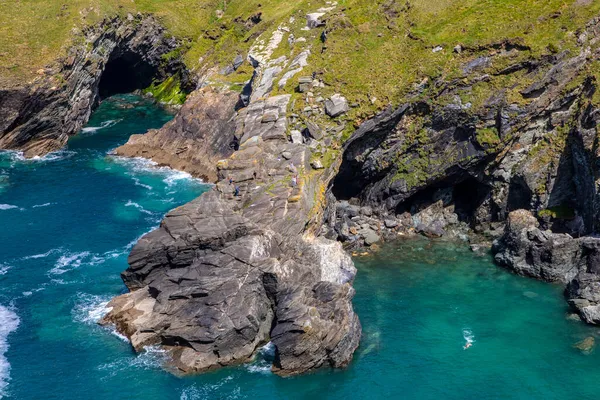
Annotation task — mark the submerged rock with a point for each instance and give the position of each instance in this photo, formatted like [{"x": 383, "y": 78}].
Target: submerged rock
[{"x": 586, "y": 345}]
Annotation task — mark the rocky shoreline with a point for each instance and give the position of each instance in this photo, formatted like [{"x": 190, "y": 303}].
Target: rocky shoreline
[{"x": 261, "y": 256}]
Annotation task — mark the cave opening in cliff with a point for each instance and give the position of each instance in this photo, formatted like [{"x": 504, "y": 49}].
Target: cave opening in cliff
[
  {"x": 466, "y": 195},
  {"x": 125, "y": 73}
]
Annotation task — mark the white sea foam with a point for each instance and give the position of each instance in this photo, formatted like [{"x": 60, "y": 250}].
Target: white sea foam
[
  {"x": 207, "y": 391},
  {"x": 9, "y": 321},
  {"x": 18, "y": 157},
  {"x": 41, "y": 255},
  {"x": 4, "y": 268},
  {"x": 469, "y": 338},
  {"x": 105, "y": 124},
  {"x": 32, "y": 291},
  {"x": 7, "y": 206},
  {"x": 153, "y": 357},
  {"x": 263, "y": 362},
  {"x": 90, "y": 308},
  {"x": 139, "y": 165},
  {"x": 139, "y": 207},
  {"x": 137, "y": 182},
  {"x": 42, "y": 205},
  {"x": 68, "y": 262},
  {"x": 175, "y": 176}
]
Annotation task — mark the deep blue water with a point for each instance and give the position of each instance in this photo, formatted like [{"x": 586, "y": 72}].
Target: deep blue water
[{"x": 67, "y": 222}]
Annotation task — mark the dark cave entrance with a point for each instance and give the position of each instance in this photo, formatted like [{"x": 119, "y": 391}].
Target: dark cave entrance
[
  {"x": 467, "y": 195},
  {"x": 125, "y": 73}
]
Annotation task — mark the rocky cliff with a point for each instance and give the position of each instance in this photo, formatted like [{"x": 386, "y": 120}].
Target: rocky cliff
[
  {"x": 339, "y": 124},
  {"x": 201, "y": 133},
  {"x": 226, "y": 273},
  {"x": 242, "y": 265},
  {"x": 442, "y": 167},
  {"x": 117, "y": 56},
  {"x": 535, "y": 149}
]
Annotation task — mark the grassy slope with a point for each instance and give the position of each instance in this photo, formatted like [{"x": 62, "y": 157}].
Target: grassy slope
[
  {"x": 377, "y": 49},
  {"x": 33, "y": 32},
  {"x": 373, "y": 56}
]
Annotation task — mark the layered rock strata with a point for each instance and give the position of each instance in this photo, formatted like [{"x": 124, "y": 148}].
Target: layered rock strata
[
  {"x": 128, "y": 52},
  {"x": 224, "y": 274},
  {"x": 482, "y": 161},
  {"x": 201, "y": 133}
]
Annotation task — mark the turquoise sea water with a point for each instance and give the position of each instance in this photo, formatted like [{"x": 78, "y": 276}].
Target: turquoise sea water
[{"x": 67, "y": 222}]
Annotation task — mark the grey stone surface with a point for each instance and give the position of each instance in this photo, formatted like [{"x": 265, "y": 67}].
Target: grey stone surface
[
  {"x": 336, "y": 105},
  {"x": 223, "y": 275}
]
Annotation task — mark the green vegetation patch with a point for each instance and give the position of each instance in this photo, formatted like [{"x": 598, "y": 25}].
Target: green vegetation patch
[
  {"x": 488, "y": 137},
  {"x": 558, "y": 212},
  {"x": 167, "y": 92}
]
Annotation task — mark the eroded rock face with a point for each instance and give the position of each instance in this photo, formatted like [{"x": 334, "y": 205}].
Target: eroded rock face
[
  {"x": 554, "y": 257},
  {"x": 224, "y": 274},
  {"x": 40, "y": 117},
  {"x": 527, "y": 250},
  {"x": 500, "y": 156},
  {"x": 201, "y": 134}
]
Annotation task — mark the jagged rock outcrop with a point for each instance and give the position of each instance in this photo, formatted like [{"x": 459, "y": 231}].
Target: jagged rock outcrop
[
  {"x": 118, "y": 55},
  {"x": 530, "y": 251},
  {"x": 555, "y": 257},
  {"x": 539, "y": 153},
  {"x": 201, "y": 133},
  {"x": 224, "y": 274}
]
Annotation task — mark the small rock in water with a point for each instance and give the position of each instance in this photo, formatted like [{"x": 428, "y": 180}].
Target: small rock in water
[
  {"x": 573, "y": 317},
  {"x": 586, "y": 345}
]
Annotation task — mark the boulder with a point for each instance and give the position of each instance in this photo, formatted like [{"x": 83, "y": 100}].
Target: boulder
[
  {"x": 314, "y": 130},
  {"x": 316, "y": 164},
  {"x": 336, "y": 105},
  {"x": 370, "y": 236},
  {"x": 296, "y": 136}
]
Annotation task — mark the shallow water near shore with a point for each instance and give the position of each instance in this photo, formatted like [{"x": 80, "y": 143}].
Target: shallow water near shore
[{"x": 68, "y": 221}]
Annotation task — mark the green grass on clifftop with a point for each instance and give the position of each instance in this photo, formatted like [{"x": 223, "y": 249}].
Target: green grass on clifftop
[{"x": 375, "y": 53}]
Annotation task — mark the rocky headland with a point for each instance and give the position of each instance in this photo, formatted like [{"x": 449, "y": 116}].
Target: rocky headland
[{"x": 498, "y": 144}]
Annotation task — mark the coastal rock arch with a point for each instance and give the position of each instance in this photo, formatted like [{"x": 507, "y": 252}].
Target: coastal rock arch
[{"x": 118, "y": 55}]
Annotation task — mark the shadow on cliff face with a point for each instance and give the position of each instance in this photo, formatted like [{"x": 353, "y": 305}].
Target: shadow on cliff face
[
  {"x": 118, "y": 55},
  {"x": 125, "y": 73}
]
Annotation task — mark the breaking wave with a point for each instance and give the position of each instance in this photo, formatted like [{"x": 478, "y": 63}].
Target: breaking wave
[
  {"x": 9, "y": 207},
  {"x": 105, "y": 124},
  {"x": 9, "y": 321},
  {"x": 139, "y": 207}
]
